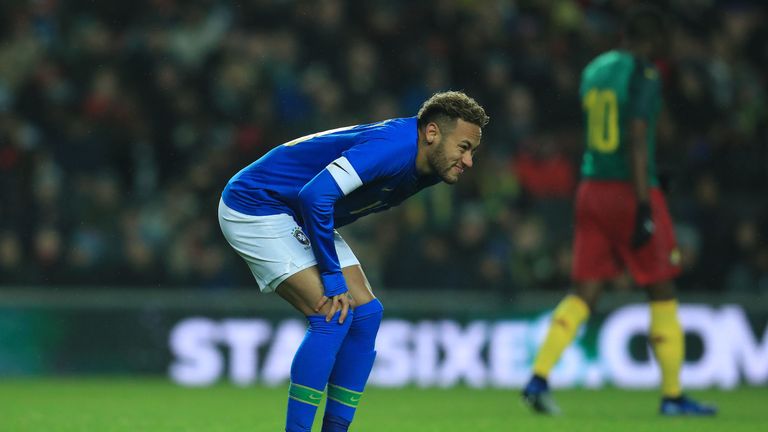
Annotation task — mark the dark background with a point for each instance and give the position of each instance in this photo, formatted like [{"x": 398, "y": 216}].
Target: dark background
[{"x": 120, "y": 123}]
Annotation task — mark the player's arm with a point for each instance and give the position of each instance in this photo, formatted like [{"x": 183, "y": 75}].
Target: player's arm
[
  {"x": 317, "y": 199},
  {"x": 374, "y": 158},
  {"x": 642, "y": 94},
  {"x": 638, "y": 156}
]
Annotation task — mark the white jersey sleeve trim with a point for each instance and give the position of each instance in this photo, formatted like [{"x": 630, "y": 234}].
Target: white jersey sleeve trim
[{"x": 345, "y": 175}]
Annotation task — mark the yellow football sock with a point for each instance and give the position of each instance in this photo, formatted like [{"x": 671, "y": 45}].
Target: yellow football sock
[
  {"x": 568, "y": 316},
  {"x": 666, "y": 336}
]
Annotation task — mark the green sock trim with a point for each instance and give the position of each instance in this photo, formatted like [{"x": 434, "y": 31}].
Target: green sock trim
[
  {"x": 344, "y": 396},
  {"x": 305, "y": 394}
]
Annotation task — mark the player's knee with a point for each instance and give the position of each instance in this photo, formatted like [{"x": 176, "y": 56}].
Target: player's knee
[
  {"x": 319, "y": 325},
  {"x": 589, "y": 293},
  {"x": 367, "y": 320},
  {"x": 371, "y": 311},
  {"x": 319, "y": 347},
  {"x": 661, "y": 291}
]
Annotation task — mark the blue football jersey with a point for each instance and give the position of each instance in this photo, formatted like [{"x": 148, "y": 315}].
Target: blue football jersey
[{"x": 329, "y": 179}]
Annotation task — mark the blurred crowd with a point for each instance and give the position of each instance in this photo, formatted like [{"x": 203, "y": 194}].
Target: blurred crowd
[{"x": 120, "y": 123}]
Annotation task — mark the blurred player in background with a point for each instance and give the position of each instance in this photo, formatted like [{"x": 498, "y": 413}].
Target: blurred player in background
[
  {"x": 280, "y": 214},
  {"x": 622, "y": 220}
]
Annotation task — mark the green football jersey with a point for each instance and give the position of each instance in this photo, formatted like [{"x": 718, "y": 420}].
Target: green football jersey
[{"x": 616, "y": 87}]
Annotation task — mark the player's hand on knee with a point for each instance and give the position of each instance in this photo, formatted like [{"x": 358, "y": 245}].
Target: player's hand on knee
[
  {"x": 320, "y": 303},
  {"x": 644, "y": 226},
  {"x": 341, "y": 303}
]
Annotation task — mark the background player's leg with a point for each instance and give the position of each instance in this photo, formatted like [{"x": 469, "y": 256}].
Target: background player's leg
[
  {"x": 666, "y": 336},
  {"x": 566, "y": 320},
  {"x": 667, "y": 340},
  {"x": 355, "y": 358},
  {"x": 570, "y": 313},
  {"x": 316, "y": 355}
]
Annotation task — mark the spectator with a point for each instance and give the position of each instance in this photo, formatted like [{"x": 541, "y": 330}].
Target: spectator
[{"x": 119, "y": 126}]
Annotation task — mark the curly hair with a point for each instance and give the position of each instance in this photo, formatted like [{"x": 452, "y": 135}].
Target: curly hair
[{"x": 445, "y": 107}]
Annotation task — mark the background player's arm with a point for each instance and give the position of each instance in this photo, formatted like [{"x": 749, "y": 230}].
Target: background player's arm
[
  {"x": 643, "y": 92},
  {"x": 638, "y": 156}
]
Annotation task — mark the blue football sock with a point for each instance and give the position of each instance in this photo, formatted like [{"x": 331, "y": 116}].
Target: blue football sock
[
  {"x": 354, "y": 362},
  {"x": 333, "y": 423},
  {"x": 311, "y": 368}
]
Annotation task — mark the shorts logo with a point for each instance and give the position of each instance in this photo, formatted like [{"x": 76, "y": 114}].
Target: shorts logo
[
  {"x": 299, "y": 235},
  {"x": 675, "y": 257}
]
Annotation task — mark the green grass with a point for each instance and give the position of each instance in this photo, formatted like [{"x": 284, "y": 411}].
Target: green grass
[{"x": 136, "y": 405}]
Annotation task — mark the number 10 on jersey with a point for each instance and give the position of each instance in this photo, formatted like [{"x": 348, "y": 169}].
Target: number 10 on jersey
[{"x": 602, "y": 120}]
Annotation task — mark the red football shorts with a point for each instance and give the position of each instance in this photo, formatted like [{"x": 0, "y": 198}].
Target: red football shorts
[{"x": 605, "y": 219}]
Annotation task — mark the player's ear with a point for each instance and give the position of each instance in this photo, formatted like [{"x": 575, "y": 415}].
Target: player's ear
[{"x": 431, "y": 132}]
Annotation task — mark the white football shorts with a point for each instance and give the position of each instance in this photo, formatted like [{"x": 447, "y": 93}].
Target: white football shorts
[{"x": 274, "y": 246}]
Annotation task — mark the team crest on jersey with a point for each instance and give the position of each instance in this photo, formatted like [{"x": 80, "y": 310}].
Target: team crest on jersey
[{"x": 299, "y": 235}]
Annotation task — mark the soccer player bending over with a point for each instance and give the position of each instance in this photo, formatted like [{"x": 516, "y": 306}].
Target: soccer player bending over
[
  {"x": 621, "y": 214},
  {"x": 280, "y": 213}
]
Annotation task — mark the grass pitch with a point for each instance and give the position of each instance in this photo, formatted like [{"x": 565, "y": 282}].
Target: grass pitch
[{"x": 156, "y": 405}]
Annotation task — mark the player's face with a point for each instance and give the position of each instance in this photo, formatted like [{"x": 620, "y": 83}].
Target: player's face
[{"x": 452, "y": 152}]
